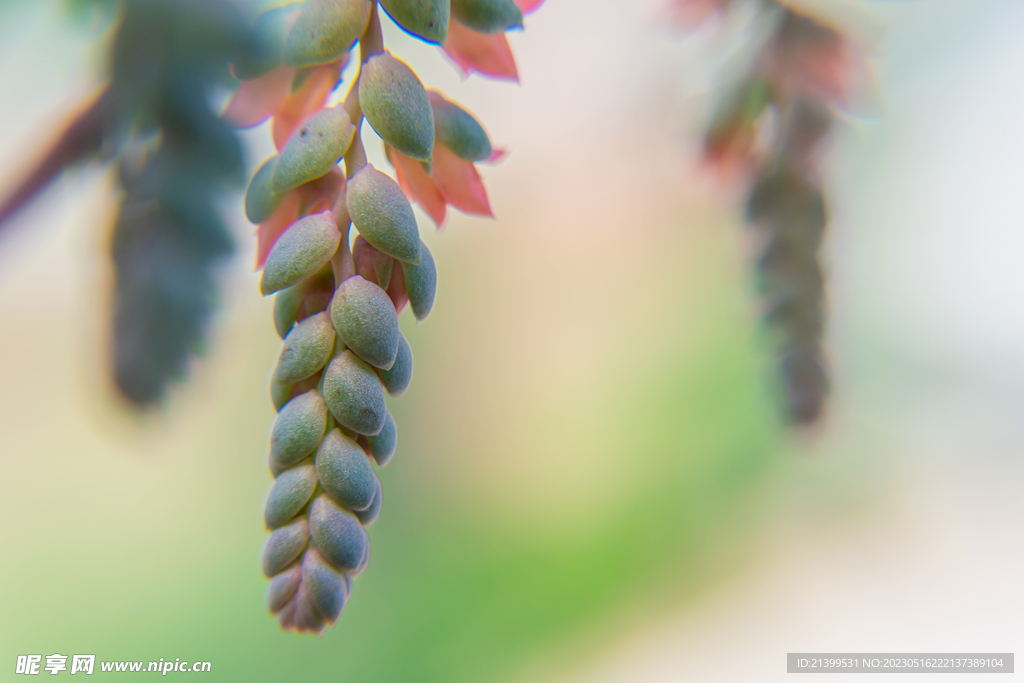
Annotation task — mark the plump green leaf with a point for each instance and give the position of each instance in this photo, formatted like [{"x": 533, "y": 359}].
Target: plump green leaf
[
  {"x": 284, "y": 545},
  {"x": 314, "y": 148},
  {"x": 297, "y": 430},
  {"x": 396, "y": 105},
  {"x": 368, "y": 516},
  {"x": 279, "y": 393},
  {"x": 383, "y": 445},
  {"x": 354, "y": 394},
  {"x": 344, "y": 471},
  {"x": 304, "y": 617},
  {"x": 362, "y": 565},
  {"x": 456, "y": 129},
  {"x": 421, "y": 283},
  {"x": 326, "y": 589},
  {"x": 325, "y": 30},
  {"x": 366, "y": 322},
  {"x": 426, "y": 19},
  {"x": 301, "y": 251},
  {"x": 286, "y": 308},
  {"x": 263, "y": 51},
  {"x": 289, "y": 493},
  {"x": 261, "y": 199},
  {"x": 382, "y": 214},
  {"x": 303, "y": 299},
  {"x": 282, "y": 587},
  {"x": 306, "y": 349},
  {"x": 397, "y": 379},
  {"x": 337, "y": 534},
  {"x": 487, "y": 16}
]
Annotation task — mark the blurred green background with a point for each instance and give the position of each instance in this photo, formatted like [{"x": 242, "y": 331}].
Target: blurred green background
[{"x": 591, "y": 483}]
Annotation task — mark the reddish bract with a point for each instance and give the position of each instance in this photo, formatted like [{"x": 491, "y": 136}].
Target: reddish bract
[
  {"x": 396, "y": 290},
  {"x": 459, "y": 183},
  {"x": 419, "y": 186},
  {"x": 286, "y": 213},
  {"x": 451, "y": 181},
  {"x": 527, "y": 6},
  {"x": 489, "y": 54},
  {"x": 257, "y": 100},
  {"x": 306, "y": 101}
]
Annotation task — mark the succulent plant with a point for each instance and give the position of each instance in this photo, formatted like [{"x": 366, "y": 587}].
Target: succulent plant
[
  {"x": 771, "y": 129},
  {"x": 338, "y": 300}
]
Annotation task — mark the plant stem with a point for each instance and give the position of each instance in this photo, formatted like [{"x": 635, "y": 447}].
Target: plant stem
[
  {"x": 371, "y": 43},
  {"x": 341, "y": 262},
  {"x": 82, "y": 136}
]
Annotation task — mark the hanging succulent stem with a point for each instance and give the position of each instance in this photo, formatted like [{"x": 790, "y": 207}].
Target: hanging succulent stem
[
  {"x": 773, "y": 129},
  {"x": 371, "y": 43},
  {"x": 338, "y": 300},
  {"x": 174, "y": 156}
]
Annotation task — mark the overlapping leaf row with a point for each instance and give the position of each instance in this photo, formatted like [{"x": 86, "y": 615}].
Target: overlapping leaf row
[
  {"x": 337, "y": 303},
  {"x": 776, "y": 122}
]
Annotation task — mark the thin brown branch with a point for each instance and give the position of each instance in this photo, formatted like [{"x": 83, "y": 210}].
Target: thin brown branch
[{"x": 83, "y": 136}]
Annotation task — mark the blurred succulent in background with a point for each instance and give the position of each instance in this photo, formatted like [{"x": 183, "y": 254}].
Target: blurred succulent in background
[
  {"x": 338, "y": 300},
  {"x": 771, "y": 129},
  {"x": 156, "y": 120}
]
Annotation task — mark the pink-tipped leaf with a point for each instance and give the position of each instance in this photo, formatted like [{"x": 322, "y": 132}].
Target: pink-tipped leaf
[
  {"x": 459, "y": 183},
  {"x": 257, "y": 100},
  {"x": 487, "y": 54}
]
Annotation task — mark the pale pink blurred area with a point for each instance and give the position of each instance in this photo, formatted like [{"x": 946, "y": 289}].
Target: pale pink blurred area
[
  {"x": 610, "y": 242},
  {"x": 894, "y": 527}
]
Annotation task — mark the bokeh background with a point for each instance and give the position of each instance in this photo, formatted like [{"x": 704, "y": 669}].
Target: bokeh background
[{"x": 592, "y": 482}]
